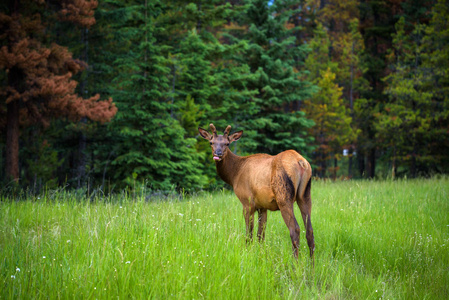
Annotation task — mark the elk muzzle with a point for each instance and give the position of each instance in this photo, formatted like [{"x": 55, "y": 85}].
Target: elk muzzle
[{"x": 218, "y": 154}]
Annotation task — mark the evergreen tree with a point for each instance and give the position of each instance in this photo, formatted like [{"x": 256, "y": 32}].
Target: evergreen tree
[
  {"x": 152, "y": 144},
  {"x": 326, "y": 108},
  {"x": 346, "y": 50},
  {"x": 411, "y": 123},
  {"x": 39, "y": 85},
  {"x": 78, "y": 140},
  {"x": 203, "y": 59},
  {"x": 332, "y": 128},
  {"x": 109, "y": 42},
  {"x": 436, "y": 60},
  {"x": 208, "y": 73},
  {"x": 277, "y": 61},
  {"x": 377, "y": 19}
]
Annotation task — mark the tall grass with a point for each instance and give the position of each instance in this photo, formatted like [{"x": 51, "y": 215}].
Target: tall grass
[{"x": 373, "y": 239}]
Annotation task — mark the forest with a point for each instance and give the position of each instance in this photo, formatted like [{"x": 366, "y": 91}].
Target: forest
[{"x": 110, "y": 94}]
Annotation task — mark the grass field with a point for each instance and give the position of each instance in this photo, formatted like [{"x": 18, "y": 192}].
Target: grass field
[{"x": 374, "y": 239}]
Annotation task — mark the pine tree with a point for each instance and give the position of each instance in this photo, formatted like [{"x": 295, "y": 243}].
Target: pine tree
[
  {"x": 105, "y": 45},
  {"x": 410, "y": 123},
  {"x": 346, "y": 50},
  {"x": 377, "y": 19},
  {"x": 151, "y": 146},
  {"x": 207, "y": 68},
  {"x": 39, "y": 75},
  {"x": 436, "y": 59},
  {"x": 79, "y": 140},
  {"x": 276, "y": 61},
  {"x": 333, "y": 128}
]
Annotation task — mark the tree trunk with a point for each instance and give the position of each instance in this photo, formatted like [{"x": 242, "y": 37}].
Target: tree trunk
[
  {"x": 335, "y": 167},
  {"x": 372, "y": 163},
  {"x": 413, "y": 164},
  {"x": 393, "y": 167},
  {"x": 81, "y": 157},
  {"x": 323, "y": 3},
  {"x": 82, "y": 160},
  {"x": 12, "y": 140},
  {"x": 350, "y": 155},
  {"x": 12, "y": 116},
  {"x": 361, "y": 159},
  {"x": 351, "y": 90},
  {"x": 199, "y": 24},
  {"x": 323, "y": 163}
]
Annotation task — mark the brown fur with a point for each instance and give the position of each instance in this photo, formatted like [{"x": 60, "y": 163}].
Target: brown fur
[{"x": 264, "y": 182}]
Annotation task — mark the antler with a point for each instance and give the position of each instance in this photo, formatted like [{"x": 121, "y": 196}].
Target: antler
[
  {"x": 227, "y": 130},
  {"x": 214, "y": 131}
]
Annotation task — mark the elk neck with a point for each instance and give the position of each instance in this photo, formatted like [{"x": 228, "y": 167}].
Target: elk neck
[{"x": 229, "y": 167}]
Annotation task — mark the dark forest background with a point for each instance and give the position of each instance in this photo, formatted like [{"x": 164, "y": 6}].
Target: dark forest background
[{"x": 110, "y": 94}]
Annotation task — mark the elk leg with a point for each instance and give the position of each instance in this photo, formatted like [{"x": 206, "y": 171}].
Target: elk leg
[
  {"x": 292, "y": 224},
  {"x": 248, "y": 213},
  {"x": 305, "y": 206},
  {"x": 309, "y": 233},
  {"x": 284, "y": 191},
  {"x": 262, "y": 224}
]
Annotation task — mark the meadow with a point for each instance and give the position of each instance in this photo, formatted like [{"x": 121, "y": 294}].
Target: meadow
[{"x": 374, "y": 240}]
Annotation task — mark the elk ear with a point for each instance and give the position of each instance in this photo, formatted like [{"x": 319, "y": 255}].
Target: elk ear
[
  {"x": 235, "y": 136},
  {"x": 204, "y": 133}
]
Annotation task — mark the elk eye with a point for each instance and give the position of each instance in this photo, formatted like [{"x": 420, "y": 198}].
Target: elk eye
[
  {"x": 210, "y": 143},
  {"x": 227, "y": 144}
]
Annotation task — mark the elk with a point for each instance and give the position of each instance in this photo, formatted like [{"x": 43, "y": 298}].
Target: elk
[{"x": 264, "y": 182}]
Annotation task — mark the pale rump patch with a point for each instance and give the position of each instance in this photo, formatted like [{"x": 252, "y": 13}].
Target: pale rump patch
[{"x": 303, "y": 164}]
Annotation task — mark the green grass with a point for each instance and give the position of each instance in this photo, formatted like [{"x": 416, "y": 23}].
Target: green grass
[{"x": 374, "y": 240}]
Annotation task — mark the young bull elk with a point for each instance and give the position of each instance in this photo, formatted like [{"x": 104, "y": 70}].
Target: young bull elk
[{"x": 263, "y": 182}]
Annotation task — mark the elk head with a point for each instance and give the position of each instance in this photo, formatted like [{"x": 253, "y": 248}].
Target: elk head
[{"x": 220, "y": 143}]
